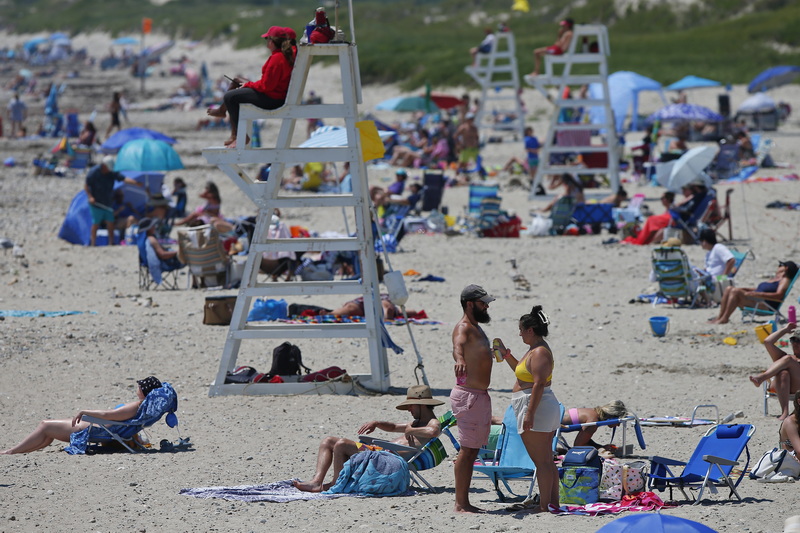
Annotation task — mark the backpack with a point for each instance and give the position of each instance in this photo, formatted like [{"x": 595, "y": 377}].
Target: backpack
[
  {"x": 286, "y": 361},
  {"x": 241, "y": 374}
]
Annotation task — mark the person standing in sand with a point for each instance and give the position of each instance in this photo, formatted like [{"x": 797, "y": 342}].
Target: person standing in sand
[
  {"x": 270, "y": 91},
  {"x": 99, "y": 189},
  {"x": 336, "y": 451},
  {"x": 467, "y": 142},
  {"x": 469, "y": 399},
  {"x": 114, "y": 108},
  {"x": 535, "y": 405}
]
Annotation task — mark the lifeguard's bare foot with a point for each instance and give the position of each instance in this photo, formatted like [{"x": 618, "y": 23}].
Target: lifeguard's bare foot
[
  {"x": 467, "y": 509},
  {"x": 218, "y": 112},
  {"x": 307, "y": 486}
]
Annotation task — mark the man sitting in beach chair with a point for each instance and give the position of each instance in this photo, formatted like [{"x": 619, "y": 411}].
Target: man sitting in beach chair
[{"x": 336, "y": 451}]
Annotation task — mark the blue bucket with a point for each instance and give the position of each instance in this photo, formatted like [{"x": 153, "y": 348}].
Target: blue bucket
[{"x": 659, "y": 325}]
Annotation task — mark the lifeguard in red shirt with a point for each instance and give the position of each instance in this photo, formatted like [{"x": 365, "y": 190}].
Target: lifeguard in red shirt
[{"x": 270, "y": 91}]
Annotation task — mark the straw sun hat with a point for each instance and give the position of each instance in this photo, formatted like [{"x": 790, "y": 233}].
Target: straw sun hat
[{"x": 419, "y": 395}]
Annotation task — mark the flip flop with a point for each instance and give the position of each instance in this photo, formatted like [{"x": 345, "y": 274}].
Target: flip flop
[{"x": 527, "y": 505}]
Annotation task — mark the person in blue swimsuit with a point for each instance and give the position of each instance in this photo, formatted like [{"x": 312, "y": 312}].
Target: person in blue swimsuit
[{"x": 768, "y": 295}]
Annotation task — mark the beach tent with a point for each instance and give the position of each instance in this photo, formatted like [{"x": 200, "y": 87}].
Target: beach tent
[
  {"x": 77, "y": 225},
  {"x": 692, "y": 82},
  {"x": 624, "y": 87}
]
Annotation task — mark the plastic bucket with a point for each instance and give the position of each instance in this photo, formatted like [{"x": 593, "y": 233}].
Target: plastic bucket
[
  {"x": 659, "y": 325},
  {"x": 763, "y": 331}
]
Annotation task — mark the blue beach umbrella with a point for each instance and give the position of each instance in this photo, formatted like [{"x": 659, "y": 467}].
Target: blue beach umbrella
[
  {"x": 654, "y": 523},
  {"x": 32, "y": 44},
  {"x": 125, "y": 40},
  {"x": 692, "y": 82},
  {"x": 119, "y": 139},
  {"x": 685, "y": 112},
  {"x": 147, "y": 155},
  {"x": 773, "y": 77},
  {"x": 408, "y": 103}
]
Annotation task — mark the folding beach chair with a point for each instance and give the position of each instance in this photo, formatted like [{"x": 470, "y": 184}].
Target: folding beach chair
[
  {"x": 477, "y": 193},
  {"x": 675, "y": 279},
  {"x": 201, "y": 250},
  {"x": 79, "y": 161},
  {"x": 699, "y": 212},
  {"x": 561, "y": 214},
  {"x": 768, "y": 391},
  {"x": 432, "y": 190},
  {"x": 710, "y": 465},
  {"x": 159, "y": 402},
  {"x": 511, "y": 460},
  {"x": 154, "y": 272},
  {"x": 626, "y": 449},
  {"x": 428, "y": 456},
  {"x": 762, "y": 309}
]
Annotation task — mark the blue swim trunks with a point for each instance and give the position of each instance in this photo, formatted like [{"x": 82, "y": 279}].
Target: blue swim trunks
[{"x": 100, "y": 215}]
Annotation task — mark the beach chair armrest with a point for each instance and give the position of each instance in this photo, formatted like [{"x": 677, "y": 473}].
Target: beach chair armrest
[
  {"x": 400, "y": 449},
  {"x": 719, "y": 460},
  {"x": 665, "y": 461},
  {"x": 104, "y": 422}
]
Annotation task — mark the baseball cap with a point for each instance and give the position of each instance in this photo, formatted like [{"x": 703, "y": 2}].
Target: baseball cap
[
  {"x": 109, "y": 161},
  {"x": 275, "y": 31},
  {"x": 476, "y": 292},
  {"x": 795, "y": 334},
  {"x": 469, "y": 116}
]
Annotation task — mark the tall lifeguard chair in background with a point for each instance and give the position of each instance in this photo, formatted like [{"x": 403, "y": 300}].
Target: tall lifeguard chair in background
[
  {"x": 242, "y": 163},
  {"x": 496, "y": 73},
  {"x": 580, "y": 65}
]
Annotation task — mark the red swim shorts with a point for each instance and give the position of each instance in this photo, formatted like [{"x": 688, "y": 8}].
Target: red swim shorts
[{"x": 554, "y": 50}]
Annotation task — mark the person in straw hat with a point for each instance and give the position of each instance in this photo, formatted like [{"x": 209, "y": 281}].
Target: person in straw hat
[{"x": 336, "y": 451}]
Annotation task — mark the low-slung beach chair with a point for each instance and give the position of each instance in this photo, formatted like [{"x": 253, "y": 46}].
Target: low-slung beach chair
[
  {"x": 428, "y": 456},
  {"x": 511, "y": 460},
  {"x": 711, "y": 463},
  {"x": 762, "y": 309},
  {"x": 674, "y": 275},
  {"x": 159, "y": 402},
  {"x": 626, "y": 448},
  {"x": 201, "y": 250}
]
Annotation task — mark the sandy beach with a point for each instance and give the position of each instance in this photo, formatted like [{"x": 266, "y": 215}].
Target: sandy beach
[{"x": 603, "y": 347}]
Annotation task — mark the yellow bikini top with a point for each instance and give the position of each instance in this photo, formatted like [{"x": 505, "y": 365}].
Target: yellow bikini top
[{"x": 523, "y": 374}]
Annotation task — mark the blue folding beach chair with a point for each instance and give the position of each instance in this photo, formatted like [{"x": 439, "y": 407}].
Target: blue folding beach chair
[
  {"x": 763, "y": 309},
  {"x": 159, "y": 402},
  {"x": 511, "y": 460},
  {"x": 711, "y": 463}
]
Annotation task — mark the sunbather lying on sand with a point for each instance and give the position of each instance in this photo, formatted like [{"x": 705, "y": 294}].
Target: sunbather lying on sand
[{"x": 336, "y": 451}]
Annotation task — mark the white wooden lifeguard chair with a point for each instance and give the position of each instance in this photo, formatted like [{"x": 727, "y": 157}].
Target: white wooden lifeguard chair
[
  {"x": 570, "y": 137},
  {"x": 237, "y": 163},
  {"x": 498, "y": 77}
]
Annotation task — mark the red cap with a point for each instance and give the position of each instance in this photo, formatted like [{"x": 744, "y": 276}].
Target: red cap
[
  {"x": 275, "y": 31},
  {"x": 289, "y": 33}
]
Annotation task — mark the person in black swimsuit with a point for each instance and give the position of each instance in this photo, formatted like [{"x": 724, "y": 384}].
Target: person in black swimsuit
[{"x": 768, "y": 295}]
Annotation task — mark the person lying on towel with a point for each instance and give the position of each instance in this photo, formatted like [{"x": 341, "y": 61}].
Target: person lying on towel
[{"x": 336, "y": 451}]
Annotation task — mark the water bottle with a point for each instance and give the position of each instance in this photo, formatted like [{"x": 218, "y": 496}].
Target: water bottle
[{"x": 792, "y": 314}]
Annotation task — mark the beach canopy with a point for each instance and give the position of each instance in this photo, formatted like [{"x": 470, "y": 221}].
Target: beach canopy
[
  {"x": 685, "y": 112},
  {"x": 125, "y": 40},
  {"x": 147, "y": 155},
  {"x": 118, "y": 140},
  {"x": 624, "y": 87},
  {"x": 758, "y": 103},
  {"x": 408, "y": 103},
  {"x": 333, "y": 136},
  {"x": 773, "y": 77},
  {"x": 77, "y": 225},
  {"x": 692, "y": 82}
]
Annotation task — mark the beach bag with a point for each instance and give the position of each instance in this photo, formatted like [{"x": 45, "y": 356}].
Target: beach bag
[
  {"x": 268, "y": 309},
  {"x": 578, "y": 485},
  {"x": 582, "y": 456},
  {"x": 286, "y": 361},
  {"x": 721, "y": 283},
  {"x": 776, "y": 464},
  {"x": 326, "y": 374},
  {"x": 241, "y": 374},
  {"x": 620, "y": 480},
  {"x": 218, "y": 310}
]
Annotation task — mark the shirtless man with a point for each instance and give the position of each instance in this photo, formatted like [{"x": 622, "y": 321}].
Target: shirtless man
[
  {"x": 334, "y": 450},
  {"x": 467, "y": 142},
  {"x": 469, "y": 399},
  {"x": 556, "y": 49}
]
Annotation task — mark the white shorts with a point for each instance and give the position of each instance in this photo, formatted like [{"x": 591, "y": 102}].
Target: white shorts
[{"x": 547, "y": 417}]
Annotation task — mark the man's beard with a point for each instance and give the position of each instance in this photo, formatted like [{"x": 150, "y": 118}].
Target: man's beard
[{"x": 481, "y": 316}]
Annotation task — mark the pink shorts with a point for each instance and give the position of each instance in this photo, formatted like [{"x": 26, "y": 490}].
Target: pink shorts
[{"x": 473, "y": 411}]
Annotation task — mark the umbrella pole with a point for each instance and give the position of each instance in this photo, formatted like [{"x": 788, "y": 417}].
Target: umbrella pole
[{"x": 744, "y": 209}]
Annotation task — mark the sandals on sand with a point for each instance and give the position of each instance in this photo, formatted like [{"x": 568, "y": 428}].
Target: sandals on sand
[{"x": 527, "y": 505}]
